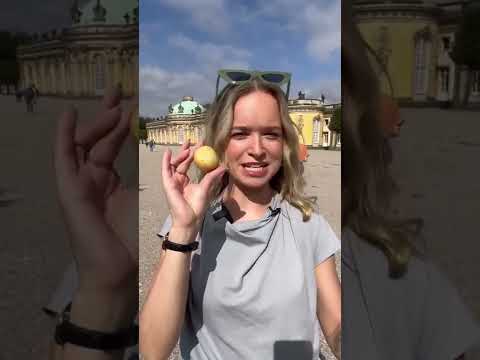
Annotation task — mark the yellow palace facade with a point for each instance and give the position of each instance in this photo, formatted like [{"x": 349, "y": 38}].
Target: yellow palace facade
[
  {"x": 97, "y": 51},
  {"x": 186, "y": 121},
  {"x": 413, "y": 39}
]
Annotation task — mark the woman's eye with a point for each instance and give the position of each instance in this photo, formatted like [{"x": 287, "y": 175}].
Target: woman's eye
[
  {"x": 272, "y": 135},
  {"x": 238, "y": 135}
]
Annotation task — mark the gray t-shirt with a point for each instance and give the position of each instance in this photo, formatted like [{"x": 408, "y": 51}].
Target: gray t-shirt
[
  {"x": 252, "y": 291},
  {"x": 419, "y": 316}
]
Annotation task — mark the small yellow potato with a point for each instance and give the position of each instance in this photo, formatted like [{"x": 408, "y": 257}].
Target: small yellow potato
[{"x": 206, "y": 158}]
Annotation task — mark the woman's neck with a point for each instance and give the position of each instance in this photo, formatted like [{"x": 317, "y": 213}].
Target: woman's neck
[{"x": 246, "y": 205}]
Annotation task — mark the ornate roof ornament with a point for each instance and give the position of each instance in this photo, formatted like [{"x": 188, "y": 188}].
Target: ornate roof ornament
[
  {"x": 75, "y": 13},
  {"x": 99, "y": 13},
  {"x": 135, "y": 15}
]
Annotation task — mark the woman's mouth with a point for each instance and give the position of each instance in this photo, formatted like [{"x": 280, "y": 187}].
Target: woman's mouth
[{"x": 255, "y": 169}]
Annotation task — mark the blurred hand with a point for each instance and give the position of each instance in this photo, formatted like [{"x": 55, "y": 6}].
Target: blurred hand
[
  {"x": 100, "y": 213},
  {"x": 187, "y": 201}
]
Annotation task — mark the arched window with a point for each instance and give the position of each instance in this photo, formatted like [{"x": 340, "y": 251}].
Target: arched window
[
  {"x": 181, "y": 135},
  {"x": 316, "y": 130},
  {"x": 422, "y": 41},
  {"x": 476, "y": 83},
  {"x": 99, "y": 75}
]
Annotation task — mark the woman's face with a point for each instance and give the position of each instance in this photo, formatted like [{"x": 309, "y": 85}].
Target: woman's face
[{"x": 255, "y": 148}]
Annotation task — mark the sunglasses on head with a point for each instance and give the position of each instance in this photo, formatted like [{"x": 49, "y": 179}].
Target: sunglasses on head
[{"x": 241, "y": 76}]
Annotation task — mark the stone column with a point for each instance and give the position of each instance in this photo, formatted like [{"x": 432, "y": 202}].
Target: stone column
[
  {"x": 26, "y": 79},
  {"x": 62, "y": 89},
  {"x": 135, "y": 73}
]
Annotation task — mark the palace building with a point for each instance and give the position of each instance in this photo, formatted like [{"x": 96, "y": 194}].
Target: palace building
[
  {"x": 184, "y": 121},
  {"x": 413, "y": 39},
  {"x": 187, "y": 119},
  {"x": 99, "y": 50}
]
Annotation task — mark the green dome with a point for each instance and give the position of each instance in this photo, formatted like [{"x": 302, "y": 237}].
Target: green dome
[
  {"x": 187, "y": 106},
  {"x": 109, "y": 12}
]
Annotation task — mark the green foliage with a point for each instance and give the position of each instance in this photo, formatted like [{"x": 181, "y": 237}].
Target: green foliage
[
  {"x": 142, "y": 134},
  {"x": 466, "y": 50},
  {"x": 142, "y": 123},
  {"x": 336, "y": 121},
  {"x": 9, "y": 72}
]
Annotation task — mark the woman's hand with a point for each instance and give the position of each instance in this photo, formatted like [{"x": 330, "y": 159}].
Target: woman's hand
[
  {"x": 187, "y": 201},
  {"x": 100, "y": 213}
]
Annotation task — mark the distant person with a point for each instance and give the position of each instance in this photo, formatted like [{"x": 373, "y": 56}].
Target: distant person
[
  {"x": 390, "y": 116},
  {"x": 19, "y": 95},
  {"x": 30, "y": 94},
  {"x": 152, "y": 146},
  {"x": 302, "y": 156}
]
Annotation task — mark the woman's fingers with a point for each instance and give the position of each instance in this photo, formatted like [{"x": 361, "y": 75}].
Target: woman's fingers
[
  {"x": 183, "y": 167},
  {"x": 211, "y": 178},
  {"x": 186, "y": 144},
  {"x": 65, "y": 155},
  {"x": 166, "y": 168},
  {"x": 89, "y": 133},
  {"x": 174, "y": 196},
  {"x": 180, "y": 158},
  {"x": 112, "y": 97},
  {"x": 106, "y": 150},
  {"x": 107, "y": 118}
]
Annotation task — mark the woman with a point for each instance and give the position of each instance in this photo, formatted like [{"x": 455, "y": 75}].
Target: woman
[
  {"x": 397, "y": 305},
  {"x": 264, "y": 274}
]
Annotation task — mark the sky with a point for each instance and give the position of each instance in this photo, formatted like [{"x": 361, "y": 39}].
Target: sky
[
  {"x": 183, "y": 43},
  {"x": 35, "y": 16}
]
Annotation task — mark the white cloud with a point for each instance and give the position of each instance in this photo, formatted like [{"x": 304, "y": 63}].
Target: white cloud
[
  {"x": 159, "y": 88},
  {"x": 207, "y": 15},
  {"x": 323, "y": 25},
  {"x": 319, "y": 20},
  {"x": 209, "y": 56}
]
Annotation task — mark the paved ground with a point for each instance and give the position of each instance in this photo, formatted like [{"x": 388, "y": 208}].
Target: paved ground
[
  {"x": 33, "y": 246},
  {"x": 436, "y": 163},
  {"x": 323, "y": 177}
]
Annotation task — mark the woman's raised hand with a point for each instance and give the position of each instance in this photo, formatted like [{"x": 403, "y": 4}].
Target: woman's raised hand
[
  {"x": 187, "y": 201},
  {"x": 99, "y": 211}
]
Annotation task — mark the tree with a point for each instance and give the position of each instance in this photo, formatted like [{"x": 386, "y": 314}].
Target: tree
[
  {"x": 335, "y": 124},
  {"x": 466, "y": 49},
  {"x": 9, "y": 72},
  {"x": 336, "y": 121}
]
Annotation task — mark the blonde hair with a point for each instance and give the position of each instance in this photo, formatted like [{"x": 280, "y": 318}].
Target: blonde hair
[
  {"x": 367, "y": 185},
  {"x": 288, "y": 181}
]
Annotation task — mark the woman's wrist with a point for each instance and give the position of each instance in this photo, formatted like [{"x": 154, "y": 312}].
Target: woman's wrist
[
  {"x": 104, "y": 311},
  {"x": 182, "y": 235}
]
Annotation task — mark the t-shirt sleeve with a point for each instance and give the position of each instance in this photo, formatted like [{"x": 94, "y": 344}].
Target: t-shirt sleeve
[
  {"x": 449, "y": 329},
  {"x": 167, "y": 225},
  {"x": 326, "y": 242},
  {"x": 63, "y": 294}
]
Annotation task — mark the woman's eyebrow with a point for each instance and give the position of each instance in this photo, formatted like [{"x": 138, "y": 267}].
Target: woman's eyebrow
[{"x": 246, "y": 128}]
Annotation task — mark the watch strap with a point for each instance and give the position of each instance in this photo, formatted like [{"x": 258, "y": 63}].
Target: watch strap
[
  {"x": 67, "y": 332},
  {"x": 169, "y": 245}
]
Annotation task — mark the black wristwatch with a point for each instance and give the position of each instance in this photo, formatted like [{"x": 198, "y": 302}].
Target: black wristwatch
[
  {"x": 67, "y": 332},
  {"x": 169, "y": 245}
]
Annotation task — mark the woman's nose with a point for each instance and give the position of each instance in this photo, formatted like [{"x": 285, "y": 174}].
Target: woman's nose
[{"x": 256, "y": 146}]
